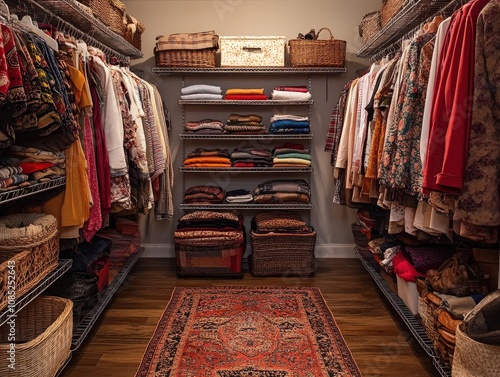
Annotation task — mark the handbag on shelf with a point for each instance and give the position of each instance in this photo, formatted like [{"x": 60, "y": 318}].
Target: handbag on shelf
[{"x": 456, "y": 278}]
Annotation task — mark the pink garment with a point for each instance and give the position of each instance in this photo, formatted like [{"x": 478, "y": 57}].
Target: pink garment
[
  {"x": 403, "y": 268},
  {"x": 94, "y": 222}
]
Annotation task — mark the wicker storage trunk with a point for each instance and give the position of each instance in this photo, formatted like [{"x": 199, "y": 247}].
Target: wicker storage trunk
[
  {"x": 282, "y": 254},
  {"x": 29, "y": 251},
  {"x": 261, "y": 51},
  {"x": 43, "y": 332},
  {"x": 196, "y": 50},
  {"x": 110, "y": 12}
]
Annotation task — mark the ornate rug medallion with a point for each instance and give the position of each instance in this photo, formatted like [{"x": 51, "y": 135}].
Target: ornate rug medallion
[{"x": 247, "y": 332}]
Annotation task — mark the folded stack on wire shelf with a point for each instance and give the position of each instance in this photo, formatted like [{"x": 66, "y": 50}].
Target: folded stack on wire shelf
[
  {"x": 204, "y": 126},
  {"x": 201, "y": 92},
  {"x": 251, "y": 157},
  {"x": 247, "y": 124},
  {"x": 208, "y": 158},
  {"x": 291, "y": 155},
  {"x": 283, "y": 191},
  {"x": 204, "y": 195},
  {"x": 289, "y": 124},
  {"x": 245, "y": 94}
]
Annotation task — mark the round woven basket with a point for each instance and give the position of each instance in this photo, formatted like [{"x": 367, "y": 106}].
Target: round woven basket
[
  {"x": 473, "y": 358},
  {"x": 23, "y": 231}
]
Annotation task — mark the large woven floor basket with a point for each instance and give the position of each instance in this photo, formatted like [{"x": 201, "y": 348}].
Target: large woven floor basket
[
  {"x": 43, "y": 332},
  {"x": 29, "y": 251},
  {"x": 282, "y": 254},
  {"x": 318, "y": 52}
]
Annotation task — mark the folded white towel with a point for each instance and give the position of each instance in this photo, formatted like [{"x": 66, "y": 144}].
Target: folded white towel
[
  {"x": 240, "y": 199},
  {"x": 201, "y": 88},
  {"x": 290, "y": 96},
  {"x": 202, "y": 96},
  {"x": 297, "y": 118}
]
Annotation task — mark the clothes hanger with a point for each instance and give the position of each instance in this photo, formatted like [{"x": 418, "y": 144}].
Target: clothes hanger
[{"x": 32, "y": 27}]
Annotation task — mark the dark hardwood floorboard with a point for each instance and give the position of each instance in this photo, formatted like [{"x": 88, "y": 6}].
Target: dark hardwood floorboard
[{"x": 378, "y": 339}]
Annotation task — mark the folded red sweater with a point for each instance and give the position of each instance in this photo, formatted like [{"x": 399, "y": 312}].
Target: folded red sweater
[{"x": 246, "y": 97}]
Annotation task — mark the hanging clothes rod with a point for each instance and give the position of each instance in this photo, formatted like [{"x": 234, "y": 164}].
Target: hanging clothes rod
[
  {"x": 66, "y": 27},
  {"x": 445, "y": 11}
]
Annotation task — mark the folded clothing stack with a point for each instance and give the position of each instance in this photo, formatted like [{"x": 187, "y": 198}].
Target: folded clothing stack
[
  {"x": 204, "y": 195},
  {"x": 291, "y": 93},
  {"x": 251, "y": 94},
  {"x": 283, "y": 191},
  {"x": 208, "y": 158},
  {"x": 289, "y": 124},
  {"x": 251, "y": 157},
  {"x": 279, "y": 222},
  {"x": 239, "y": 196},
  {"x": 291, "y": 155},
  {"x": 201, "y": 92},
  {"x": 204, "y": 126},
  {"x": 244, "y": 124}
]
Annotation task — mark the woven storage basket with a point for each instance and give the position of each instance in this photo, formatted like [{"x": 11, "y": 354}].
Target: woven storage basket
[
  {"x": 204, "y": 58},
  {"x": 429, "y": 319},
  {"x": 389, "y": 9},
  {"x": 317, "y": 53},
  {"x": 472, "y": 358},
  {"x": 43, "y": 332},
  {"x": 369, "y": 26},
  {"x": 110, "y": 12},
  {"x": 29, "y": 246},
  {"x": 133, "y": 31},
  {"x": 210, "y": 261},
  {"x": 282, "y": 254}
]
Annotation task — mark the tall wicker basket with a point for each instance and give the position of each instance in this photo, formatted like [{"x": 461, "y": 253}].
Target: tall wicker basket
[
  {"x": 318, "y": 52},
  {"x": 283, "y": 254},
  {"x": 43, "y": 332},
  {"x": 29, "y": 250}
]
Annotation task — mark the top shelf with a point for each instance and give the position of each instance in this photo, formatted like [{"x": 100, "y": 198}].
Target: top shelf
[
  {"x": 410, "y": 16},
  {"x": 165, "y": 71},
  {"x": 74, "y": 14}
]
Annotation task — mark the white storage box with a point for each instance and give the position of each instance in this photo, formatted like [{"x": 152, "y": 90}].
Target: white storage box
[
  {"x": 252, "y": 51},
  {"x": 408, "y": 292}
]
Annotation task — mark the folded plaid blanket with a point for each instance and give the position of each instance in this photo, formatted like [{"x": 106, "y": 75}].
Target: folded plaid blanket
[{"x": 187, "y": 41}]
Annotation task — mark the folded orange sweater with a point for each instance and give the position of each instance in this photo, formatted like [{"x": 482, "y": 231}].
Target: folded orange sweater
[
  {"x": 245, "y": 91},
  {"x": 207, "y": 160}
]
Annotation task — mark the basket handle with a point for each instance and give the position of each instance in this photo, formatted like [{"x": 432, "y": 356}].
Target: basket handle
[{"x": 324, "y": 28}]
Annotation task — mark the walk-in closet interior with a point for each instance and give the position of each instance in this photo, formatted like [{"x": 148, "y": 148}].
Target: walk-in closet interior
[{"x": 249, "y": 188}]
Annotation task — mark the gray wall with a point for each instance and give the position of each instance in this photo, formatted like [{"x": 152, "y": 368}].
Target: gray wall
[{"x": 254, "y": 17}]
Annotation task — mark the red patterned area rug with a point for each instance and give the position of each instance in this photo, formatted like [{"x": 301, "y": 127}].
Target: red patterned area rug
[{"x": 247, "y": 332}]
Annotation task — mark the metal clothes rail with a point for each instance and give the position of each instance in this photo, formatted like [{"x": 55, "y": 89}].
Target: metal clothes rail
[
  {"x": 71, "y": 17},
  {"x": 405, "y": 24}
]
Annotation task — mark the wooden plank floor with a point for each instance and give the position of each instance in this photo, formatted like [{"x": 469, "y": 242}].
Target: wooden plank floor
[{"x": 379, "y": 341}]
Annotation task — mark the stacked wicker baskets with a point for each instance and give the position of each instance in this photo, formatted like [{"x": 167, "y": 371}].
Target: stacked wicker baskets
[{"x": 187, "y": 50}]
